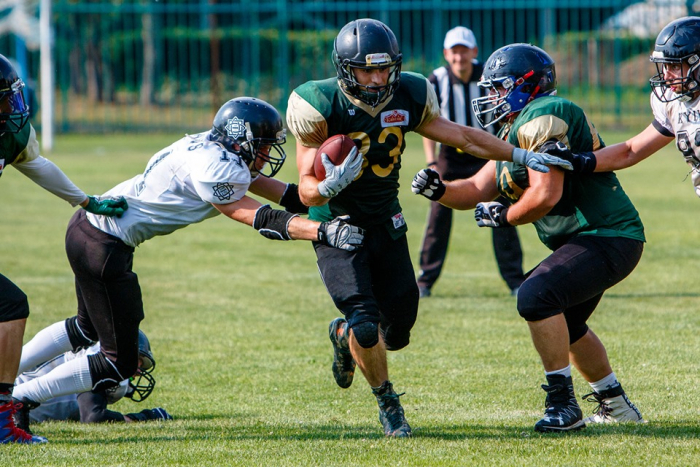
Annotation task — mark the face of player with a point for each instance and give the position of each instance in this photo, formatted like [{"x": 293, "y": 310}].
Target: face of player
[
  {"x": 460, "y": 59},
  {"x": 372, "y": 77},
  {"x": 262, "y": 159}
]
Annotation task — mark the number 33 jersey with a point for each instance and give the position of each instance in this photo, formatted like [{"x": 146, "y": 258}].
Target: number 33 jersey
[
  {"x": 318, "y": 110},
  {"x": 178, "y": 188}
]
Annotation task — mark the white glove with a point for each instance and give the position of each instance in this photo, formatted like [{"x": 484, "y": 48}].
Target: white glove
[
  {"x": 695, "y": 175},
  {"x": 538, "y": 161},
  {"x": 427, "y": 182},
  {"x": 338, "y": 233},
  {"x": 491, "y": 214},
  {"x": 338, "y": 177}
]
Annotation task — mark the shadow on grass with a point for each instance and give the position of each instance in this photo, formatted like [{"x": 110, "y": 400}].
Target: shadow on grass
[{"x": 680, "y": 430}]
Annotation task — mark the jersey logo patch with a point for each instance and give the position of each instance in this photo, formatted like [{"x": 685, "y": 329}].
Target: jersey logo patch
[
  {"x": 394, "y": 118},
  {"x": 235, "y": 127},
  {"x": 223, "y": 191},
  {"x": 398, "y": 220}
]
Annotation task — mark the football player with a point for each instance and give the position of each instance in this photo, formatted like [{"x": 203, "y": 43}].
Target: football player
[
  {"x": 91, "y": 407},
  {"x": 588, "y": 222},
  {"x": 674, "y": 104},
  {"x": 19, "y": 148},
  {"x": 194, "y": 179},
  {"x": 373, "y": 102}
]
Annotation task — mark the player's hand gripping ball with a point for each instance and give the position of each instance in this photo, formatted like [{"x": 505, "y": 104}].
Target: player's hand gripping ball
[{"x": 336, "y": 165}]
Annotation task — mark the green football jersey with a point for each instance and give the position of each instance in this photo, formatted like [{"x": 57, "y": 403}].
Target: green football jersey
[
  {"x": 18, "y": 147},
  {"x": 320, "y": 109},
  {"x": 592, "y": 204}
]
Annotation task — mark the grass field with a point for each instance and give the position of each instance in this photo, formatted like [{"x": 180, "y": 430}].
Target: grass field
[{"x": 238, "y": 325}]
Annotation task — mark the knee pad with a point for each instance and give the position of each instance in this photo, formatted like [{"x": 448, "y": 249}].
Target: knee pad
[
  {"x": 366, "y": 334},
  {"x": 106, "y": 374},
  {"x": 532, "y": 306},
  {"x": 15, "y": 306},
  {"x": 77, "y": 337},
  {"x": 396, "y": 339},
  {"x": 576, "y": 331}
]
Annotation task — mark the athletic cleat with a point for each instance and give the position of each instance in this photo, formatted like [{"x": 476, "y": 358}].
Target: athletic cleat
[
  {"x": 22, "y": 413},
  {"x": 9, "y": 433},
  {"x": 562, "y": 412},
  {"x": 613, "y": 407},
  {"x": 343, "y": 363},
  {"x": 391, "y": 414}
]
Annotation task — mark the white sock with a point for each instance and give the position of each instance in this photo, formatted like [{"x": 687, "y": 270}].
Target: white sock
[
  {"x": 72, "y": 377},
  {"x": 608, "y": 382},
  {"x": 48, "y": 343},
  {"x": 564, "y": 372}
]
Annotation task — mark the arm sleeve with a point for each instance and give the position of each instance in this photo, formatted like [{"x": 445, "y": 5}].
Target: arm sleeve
[
  {"x": 93, "y": 408},
  {"x": 47, "y": 175}
]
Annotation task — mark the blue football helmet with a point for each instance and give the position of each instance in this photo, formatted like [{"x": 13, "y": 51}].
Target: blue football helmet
[
  {"x": 14, "y": 111},
  {"x": 513, "y": 76}
]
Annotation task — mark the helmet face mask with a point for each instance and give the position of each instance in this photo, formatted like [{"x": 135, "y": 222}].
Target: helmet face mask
[
  {"x": 677, "y": 53},
  {"x": 14, "y": 111},
  {"x": 513, "y": 76},
  {"x": 367, "y": 44},
  {"x": 141, "y": 385},
  {"x": 252, "y": 129}
]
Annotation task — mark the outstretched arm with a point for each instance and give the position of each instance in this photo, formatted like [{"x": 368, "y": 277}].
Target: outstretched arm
[
  {"x": 484, "y": 145},
  {"x": 634, "y": 150}
]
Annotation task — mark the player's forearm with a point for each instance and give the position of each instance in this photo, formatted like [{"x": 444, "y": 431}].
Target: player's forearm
[
  {"x": 308, "y": 192},
  {"x": 49, "y": 176},
  {"x": 429, "y": 150}
]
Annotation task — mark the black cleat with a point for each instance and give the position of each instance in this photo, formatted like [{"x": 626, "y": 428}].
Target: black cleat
[
  {"x": 391, "y": 414},
  {"x": 562, "y": 412},
  {"x": 343, "y": 363}
]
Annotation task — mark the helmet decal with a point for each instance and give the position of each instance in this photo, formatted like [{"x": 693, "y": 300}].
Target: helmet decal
[{"x": 235, "y": 127}]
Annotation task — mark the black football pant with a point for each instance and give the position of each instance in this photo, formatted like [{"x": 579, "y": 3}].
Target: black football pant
[{"x": 109, "y": 296}]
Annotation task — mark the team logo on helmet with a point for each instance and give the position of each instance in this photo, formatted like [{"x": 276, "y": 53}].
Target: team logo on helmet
[{"x": 235, "y": 127}]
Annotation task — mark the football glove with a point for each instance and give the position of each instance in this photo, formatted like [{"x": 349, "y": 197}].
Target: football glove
[
  {"x": 538, "y": 161},
  {"x": 338, "y": 177},
  {"x": 583, "y": 162},
  {"x": 106, "y": 207},
  {"x": 145, "y": 415},
  {"x": 338, "y": 233},
  {"x": 491, "y": 214},
  {"x": 427, "y": 182}
]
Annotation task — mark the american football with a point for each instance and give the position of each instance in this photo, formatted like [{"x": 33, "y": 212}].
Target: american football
[{"x": 337, "y": 148}]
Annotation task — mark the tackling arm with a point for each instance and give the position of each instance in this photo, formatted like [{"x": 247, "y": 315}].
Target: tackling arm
[{"x": 634, "y": 150}]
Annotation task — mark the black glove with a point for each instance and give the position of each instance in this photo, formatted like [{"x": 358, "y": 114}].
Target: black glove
[
  {"x": 290, "y": 200},
  {"x": 584, "y": 162},
  {"x": 106, "y": 207},
  {"x": 427, "y": 182},
  {"x": 145, "y": 415},
  {"x": 338, "y": 233},
  {"x": 491, "y": 214}
]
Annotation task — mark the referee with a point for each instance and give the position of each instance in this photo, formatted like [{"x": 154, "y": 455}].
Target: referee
[{"x": 455, "y": 85}]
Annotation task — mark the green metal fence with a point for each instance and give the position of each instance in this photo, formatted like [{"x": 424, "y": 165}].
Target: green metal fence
[{"x": 144, "y": 65}]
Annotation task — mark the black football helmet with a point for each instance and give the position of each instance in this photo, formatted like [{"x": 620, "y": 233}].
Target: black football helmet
[
  {"x": 522, "y": 72},
  {"x": 251, "y": 128},
  {"x": 14, "y": 111},
  {"x": 141, "y": 385},
  {"x": 677, "y": 44},
  {"x": 367, "y": 43}
]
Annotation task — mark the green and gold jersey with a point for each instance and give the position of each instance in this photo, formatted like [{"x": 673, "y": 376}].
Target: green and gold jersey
[
  {"x": 592, "y": 204},
  {"x": 320, "y": 109},
  {"x": 18, "y": 147}
]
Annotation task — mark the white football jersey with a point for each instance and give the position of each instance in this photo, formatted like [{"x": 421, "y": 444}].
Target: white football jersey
[
  {"x": 681, "y": 120},
  {"x": 177, "y": 189},
  {"x": 64, "y": 407}
]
